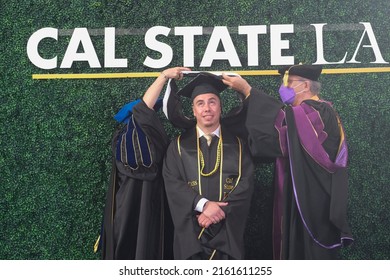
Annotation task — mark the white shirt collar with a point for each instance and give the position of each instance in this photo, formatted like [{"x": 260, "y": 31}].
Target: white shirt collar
[{"x": 215, "y": 132}]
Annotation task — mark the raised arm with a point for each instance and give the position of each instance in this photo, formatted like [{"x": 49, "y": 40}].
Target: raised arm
[
  {"x": 153, "y": 92},
  {"x": 238, "y": 84}
]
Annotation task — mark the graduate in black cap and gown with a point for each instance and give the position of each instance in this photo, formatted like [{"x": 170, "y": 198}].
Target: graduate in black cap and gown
[
  {"x": 137, "y": 223},
  {"x": 305, "y": 136},
  {"x": 209, "y": 183}
]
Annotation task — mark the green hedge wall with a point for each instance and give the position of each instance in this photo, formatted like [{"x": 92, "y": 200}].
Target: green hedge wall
[{"x": 55, "y": 153}]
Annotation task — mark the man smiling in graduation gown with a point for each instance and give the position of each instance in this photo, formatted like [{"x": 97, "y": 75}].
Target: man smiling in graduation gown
[
  {"x": 208, "y": 185},
  {"x": 306, "y": 137}
]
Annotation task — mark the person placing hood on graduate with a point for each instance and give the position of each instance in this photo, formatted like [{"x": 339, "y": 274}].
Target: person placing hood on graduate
[
  {"x": 208, "y": 177},
  {"x": 136, "y": 222},
  {"x": 305, "y": 136}
]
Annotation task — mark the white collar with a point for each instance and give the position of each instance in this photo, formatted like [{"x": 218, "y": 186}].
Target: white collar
[{"x": 215, "y": 132}]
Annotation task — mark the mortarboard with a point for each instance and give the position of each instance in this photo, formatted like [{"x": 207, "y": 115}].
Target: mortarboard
[
  {"x": 204, "y": 82},
  {"x": 311, "y": 72}
]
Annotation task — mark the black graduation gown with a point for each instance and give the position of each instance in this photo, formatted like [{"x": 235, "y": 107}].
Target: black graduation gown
[
  {"x": 310, "y": 205},
  {"x": 136, "y": 222},
  {"x": 180, "y": 173}
]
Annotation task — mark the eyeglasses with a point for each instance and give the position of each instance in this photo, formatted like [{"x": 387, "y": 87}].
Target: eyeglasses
[{"x": 296, "y": 80}]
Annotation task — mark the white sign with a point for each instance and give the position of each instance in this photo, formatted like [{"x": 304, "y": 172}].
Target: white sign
[{"x": 219, "y": 36}]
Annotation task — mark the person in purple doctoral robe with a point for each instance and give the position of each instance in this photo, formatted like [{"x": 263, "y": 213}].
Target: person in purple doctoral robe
[{"x": 304, "y": 134}]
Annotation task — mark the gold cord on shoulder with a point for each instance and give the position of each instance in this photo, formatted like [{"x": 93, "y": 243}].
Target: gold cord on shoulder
[{"x": 178, "y": 145}]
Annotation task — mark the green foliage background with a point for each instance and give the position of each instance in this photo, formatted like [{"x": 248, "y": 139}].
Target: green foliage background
[{"x": 55, "y": 135}]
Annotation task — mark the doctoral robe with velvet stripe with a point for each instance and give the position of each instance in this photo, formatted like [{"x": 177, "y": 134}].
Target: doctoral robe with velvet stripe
[
  {"x": 136, "y": 222},
  {"x": 310, "y": 203}
]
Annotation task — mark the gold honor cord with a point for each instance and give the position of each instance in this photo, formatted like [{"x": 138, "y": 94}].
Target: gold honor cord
[
  {"x": 217, "y": 161},
  {"x": 237, "y": 181},
  {"x": 96, "y": 246},
  {"x": 201, "y": 166},
  {"x": 241, "y": 72}
]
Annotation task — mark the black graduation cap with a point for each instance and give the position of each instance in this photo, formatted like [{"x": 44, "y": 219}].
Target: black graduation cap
[
  {"x": 203, "y": 83},
  {"x": 311, "y": 72}
]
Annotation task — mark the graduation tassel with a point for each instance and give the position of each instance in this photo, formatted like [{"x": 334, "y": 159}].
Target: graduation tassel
[{"x": 285, "y": 78}]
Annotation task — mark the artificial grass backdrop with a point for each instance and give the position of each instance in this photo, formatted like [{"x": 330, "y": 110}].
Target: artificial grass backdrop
[{"x": 55, "y": 153}]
